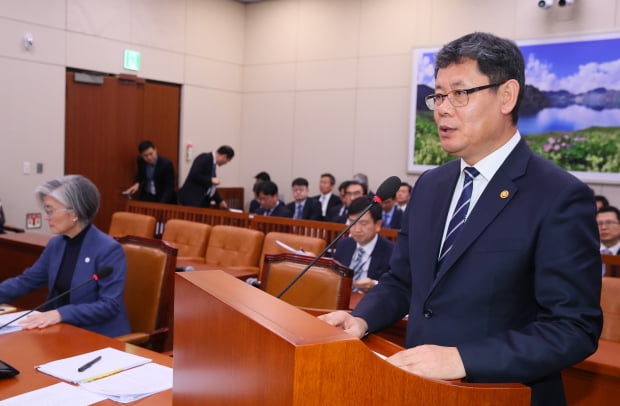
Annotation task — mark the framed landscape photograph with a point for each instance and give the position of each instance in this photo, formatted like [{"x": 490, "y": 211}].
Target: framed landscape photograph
[{"x": 570, "y": 113}]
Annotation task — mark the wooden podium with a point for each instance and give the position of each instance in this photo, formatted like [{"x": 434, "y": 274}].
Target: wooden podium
[{"x": 237, "y": 345}]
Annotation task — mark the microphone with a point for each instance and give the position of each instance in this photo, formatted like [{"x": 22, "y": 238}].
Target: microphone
[
  {"x": 386, "y": 190},
  {"x": 100, "y": 274}
]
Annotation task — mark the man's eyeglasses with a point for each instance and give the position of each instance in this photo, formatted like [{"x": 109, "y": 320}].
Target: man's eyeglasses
[
  {"x": 606, "y": 223},
  {"x": 458, "y": 97}
]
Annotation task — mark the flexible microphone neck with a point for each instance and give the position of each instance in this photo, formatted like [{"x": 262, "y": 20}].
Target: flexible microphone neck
[
  {"x": 102, "y": 273},
  {"x": 387, "y": 189}
]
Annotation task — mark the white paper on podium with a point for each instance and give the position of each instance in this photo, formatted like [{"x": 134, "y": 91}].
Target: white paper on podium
[{"x": 15, "y": 326}]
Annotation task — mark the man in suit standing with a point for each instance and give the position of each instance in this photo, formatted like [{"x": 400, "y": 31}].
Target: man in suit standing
[
  {"x": 365, "y": 251},
  {"x": 303, "y": 207},
  {"x": 200, "y": 187},
  {"x": 269, "y": 200},
  {"x": 327, "y": 198},
  {"x": 155, "y": 176},
  {"x": 505, "y": 285}
]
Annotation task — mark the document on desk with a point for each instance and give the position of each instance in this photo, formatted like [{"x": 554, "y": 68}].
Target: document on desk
[
  {"x": 109, "y": 361},
  {"x": 15, "y": 326},
  {"x": 133, "y": 384},
  {"x": 60, "y": 394}
]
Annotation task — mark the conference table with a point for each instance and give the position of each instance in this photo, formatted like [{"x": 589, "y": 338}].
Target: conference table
[{"x": 25, "y": 349}]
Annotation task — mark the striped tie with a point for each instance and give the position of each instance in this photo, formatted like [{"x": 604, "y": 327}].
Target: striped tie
[{"x": 460, "y": 211}]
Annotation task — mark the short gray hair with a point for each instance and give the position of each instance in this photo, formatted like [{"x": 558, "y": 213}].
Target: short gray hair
[{"x": 74, "y": 192}]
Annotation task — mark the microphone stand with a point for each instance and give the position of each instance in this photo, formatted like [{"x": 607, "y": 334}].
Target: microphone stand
[{"x": 328, "y": 247}]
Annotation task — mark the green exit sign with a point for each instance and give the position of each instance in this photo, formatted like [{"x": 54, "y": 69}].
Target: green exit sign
[{"x": 132, "y": 60}]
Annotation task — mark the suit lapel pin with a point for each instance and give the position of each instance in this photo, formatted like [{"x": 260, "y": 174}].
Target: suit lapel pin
[
  {"x": 87, "y": 260},
  {"x": 504, "y": 194}
]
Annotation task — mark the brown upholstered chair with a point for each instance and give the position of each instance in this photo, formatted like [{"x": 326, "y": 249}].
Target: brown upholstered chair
[
  {"x": 149, "y": 291},
  {"x": 311, "y": 245},
  {"x": 189, "y": 237},
  {"x": 126, "y": 223},
  {"x": 234, "y": 247},
  {"x": 326, "y": 285},
  {"x": 610, "y": 303},
  {"x": 611, "y": 263}
]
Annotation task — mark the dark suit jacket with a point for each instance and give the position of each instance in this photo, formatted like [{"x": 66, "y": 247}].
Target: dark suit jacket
[
  {"x": 379, "y": 258},
  {"x": 198, "y": 181},
  {"x": 396, "y": 220},
  {"x": 164, "y": 181},
  {"x": 519, "y": 294},
  {"x": 333, "y": 201},
  {"x": 279, "y": 211},
  {"x": 334, "y": 216},
  {"x": 312, "y": 209}
]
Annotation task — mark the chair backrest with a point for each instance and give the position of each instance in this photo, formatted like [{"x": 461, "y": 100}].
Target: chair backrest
[
  {"x": 610, "y": 303},
  {"x": 311, "y": 245},
  {"x": 234, "y": 246},
  {"x": 611, "y": 264},
  {"x": 126, "y": 223},
  {"x": 189, "y": 237},
  {"x": 326, "y": 285},
  {"x": 149, "y": 287}
]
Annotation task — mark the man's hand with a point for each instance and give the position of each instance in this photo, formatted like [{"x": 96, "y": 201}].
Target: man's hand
[
  {"x": 355, "y": 326},
  {"x": 131, "y": 189},
  {"x": 430, "y": 361},
  {"x": 41, "y": 320},
  {"x": 223, "y": 204},
  {"x": 215, "y": 181}
]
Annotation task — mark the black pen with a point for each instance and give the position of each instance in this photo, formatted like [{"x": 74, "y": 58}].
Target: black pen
[{"x": 88, "y": 364}]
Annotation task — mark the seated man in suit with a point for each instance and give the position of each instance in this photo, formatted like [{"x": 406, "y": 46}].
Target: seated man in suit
[
  {"x": 327, "y": 198},
  {"x": 365, "y": 251},
  {"x": 155, "y": 176},
  {"x": 258, "y": 178},
  {"x": 608, "y": 220},
  {"x": 303, "y": 207},
  {"x": 269, "y": 200},
  {"x": 402, "y": 195},
  {"x": 352, "y": 190},
  {"x": 391, "y": 215}
]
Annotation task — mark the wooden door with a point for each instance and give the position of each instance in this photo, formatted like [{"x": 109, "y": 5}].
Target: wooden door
[{"x": 106, "y": 121}]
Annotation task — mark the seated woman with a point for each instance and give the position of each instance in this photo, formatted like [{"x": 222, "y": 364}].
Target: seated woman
[{"x": 72, "y": 257}]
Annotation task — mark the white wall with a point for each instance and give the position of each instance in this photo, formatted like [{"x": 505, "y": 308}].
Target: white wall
[{"x": 297, "y": 87}]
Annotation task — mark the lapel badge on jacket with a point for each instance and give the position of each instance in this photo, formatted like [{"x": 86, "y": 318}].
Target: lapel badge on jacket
[{"x": 504, "y": 194}]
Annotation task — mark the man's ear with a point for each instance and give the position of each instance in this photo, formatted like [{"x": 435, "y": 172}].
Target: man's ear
[{"x": 509, "y": 93}]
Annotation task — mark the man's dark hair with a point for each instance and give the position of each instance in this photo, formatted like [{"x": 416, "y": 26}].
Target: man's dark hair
[
  {"x": 343, "y": 186},
  {"x": 226, "y": 150},
  {"x": 354, "y": 182},
  {"x": 332, "y": 179},
  {"x": 144, "y": 145},
  {"x": 610, "y": 209},
  {"x": 300, "y": 182},
  {"x": 405, "y": 184},
  {"x": 262, "y": 176},
  {"x": 602, "y": 199},
  {"x": 359, "y": 204},
  {"x": 499, "y": 59},
  {"x": 267, "y": 188}
]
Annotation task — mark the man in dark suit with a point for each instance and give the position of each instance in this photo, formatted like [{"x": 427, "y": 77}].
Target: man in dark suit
[
  {"x": 155, "y": 176},
  {"x": 303, "y": 207},
  {"x": 365, "y": 251},
  {"x": 327, "y": 198},
  {"x": 200, "y": 187},
  {"x": 352, "y": 190},
  {"x": 506, "y": 286},
  {"x": 269, "y": 200},
  {"x": 391, "y": 215}
]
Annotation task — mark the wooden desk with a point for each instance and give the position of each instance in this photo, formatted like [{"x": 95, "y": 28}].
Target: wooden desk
[
  {"x": 596, "y": 380},
  {"x": 240, "y": 273},
  {"x": 18, "y": 252},
  {"x": 25, "y": 349}
]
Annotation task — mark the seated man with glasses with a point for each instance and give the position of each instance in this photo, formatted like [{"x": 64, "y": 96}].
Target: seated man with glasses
[
  {"x": 340, "y": 213},
  {"x": 608, "y": 220}
]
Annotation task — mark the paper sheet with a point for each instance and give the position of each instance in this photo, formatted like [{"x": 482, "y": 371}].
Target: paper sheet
[
  {"x": 15, "y": 326},
  {"x": 61, "y": 394},
  {"x": 112, "y": 361}
]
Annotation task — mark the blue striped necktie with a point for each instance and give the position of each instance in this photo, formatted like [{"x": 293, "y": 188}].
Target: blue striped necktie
[{"x": 460, "y": 211}]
